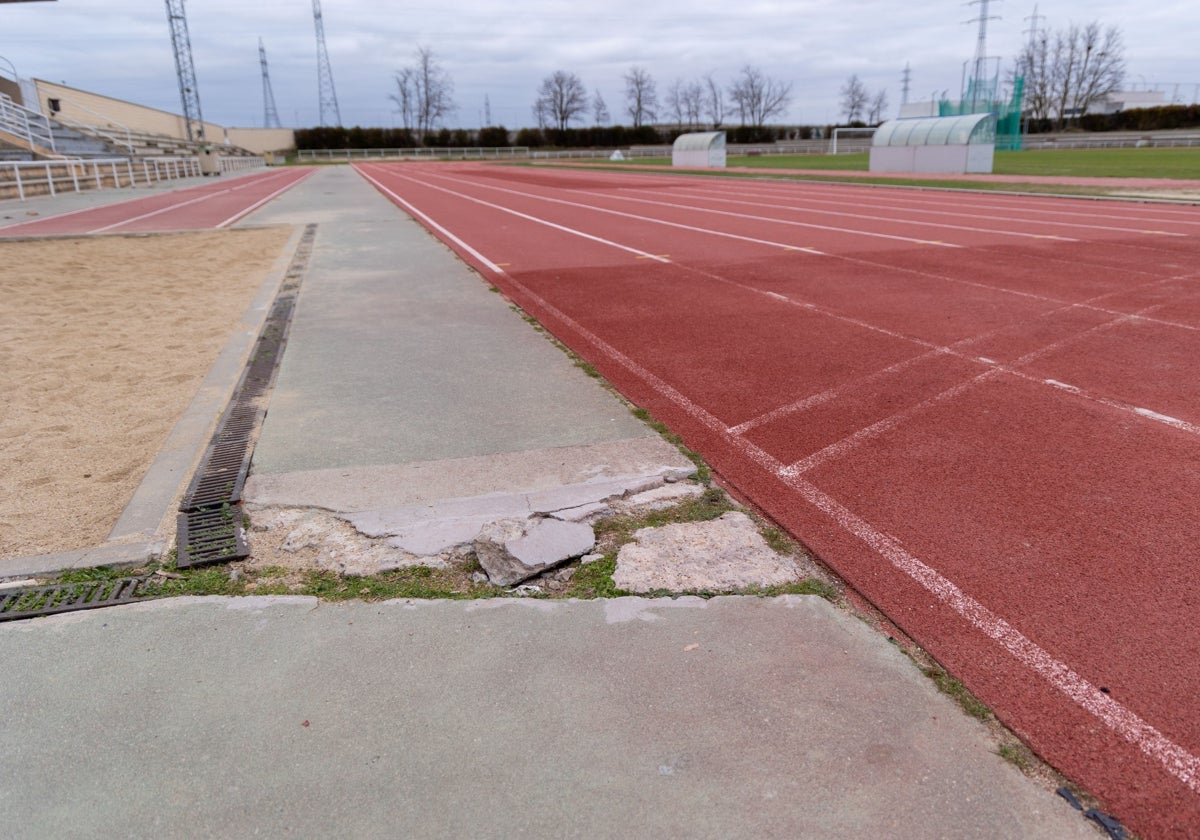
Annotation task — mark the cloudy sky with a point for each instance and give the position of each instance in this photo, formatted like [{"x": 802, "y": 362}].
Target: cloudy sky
[{"x": 502, "y": 50}]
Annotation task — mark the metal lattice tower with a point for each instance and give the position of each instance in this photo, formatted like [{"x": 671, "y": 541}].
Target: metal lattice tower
[
  {"x": 905, "y": 82},
  {"x": 979, "y": 74},
  {"x": 270, "y": 114},
  {"x": 327, "y": 96},
  {"x": 189, "y": 93}
]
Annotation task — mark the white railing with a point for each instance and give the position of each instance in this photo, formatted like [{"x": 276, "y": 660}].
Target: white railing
[
  {"x": 54, "y": 176},
  {"x": 237, "y": 164},
  {"x": 33, "y": 128},
  {"x": 458, "y": 153},
  {"x": 87, "y": 129},
  {"x": 1100, "y": 142}
]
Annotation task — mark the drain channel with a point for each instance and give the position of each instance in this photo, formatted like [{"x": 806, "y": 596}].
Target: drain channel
[
  {"x": 210, "y": 519},
  {"x": 29, "y": 602}
]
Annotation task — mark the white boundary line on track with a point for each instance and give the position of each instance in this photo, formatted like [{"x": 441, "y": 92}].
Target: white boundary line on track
[
  {"x": 955, "y": 201},
  {"x": 427, "y": 220},
  {"x": 171, "y": 207},
  {"x": 1125, "y": 723},
  {"x": 709, "y": 231},
  {"x": 712, "y": 195},
  {"x": 886, "y": 424},
  {"x": 636, "y": 251},
  {"x": 69, "y": 213},
  {"x": 248, "y": 210}
]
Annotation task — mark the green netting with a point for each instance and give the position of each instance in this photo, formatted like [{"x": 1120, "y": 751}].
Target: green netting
[{"x": 1008, "y": 114}]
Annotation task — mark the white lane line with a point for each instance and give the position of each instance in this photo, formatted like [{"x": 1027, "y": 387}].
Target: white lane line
[
  {"x": 955, "y": 209},
  {"x": 1175, "y": 759},
  {"x": 856, "y": 260},
  {"x": 248, "y": 210},
  {"x": 573, "y": 231},
  {"x": 886, "y": 219},
  {"x": 171, "y": 207},
  {"x": 708, "y": 231},
  {"x": 430, "y": 222}
]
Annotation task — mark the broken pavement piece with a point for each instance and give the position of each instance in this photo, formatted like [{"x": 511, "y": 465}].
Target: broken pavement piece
[
  {"x": 724, "y": 555},
  {"x": 514, "y": 550}
]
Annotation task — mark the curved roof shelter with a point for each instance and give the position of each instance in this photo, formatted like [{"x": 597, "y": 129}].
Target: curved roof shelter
[
  {"x": 965, "y": 130},
  {"x": 957, "y": 144},
  {"x": 700, "y": 148}
]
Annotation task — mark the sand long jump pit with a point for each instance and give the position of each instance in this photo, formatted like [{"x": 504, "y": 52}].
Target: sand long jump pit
[{"x": 104, "y": 343}]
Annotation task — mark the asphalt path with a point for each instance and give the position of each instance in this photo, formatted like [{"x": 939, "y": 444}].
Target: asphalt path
[{"x": 981, "y": 410}]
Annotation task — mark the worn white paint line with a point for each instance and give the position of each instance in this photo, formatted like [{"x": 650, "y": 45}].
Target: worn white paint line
[
  {"x": 248, "y": 210},
  {"x": 409, "y": 208},
  {"x": 537, "y": 220},
  {"x": 180, "y": 204},
  {"x": 944, "y": 211},
  {"x": 693, "y": 228},
  {"x": 1125, "y": 723},
  {"x": 814, "y": 400},
  {"x": 889, "y": 219}
]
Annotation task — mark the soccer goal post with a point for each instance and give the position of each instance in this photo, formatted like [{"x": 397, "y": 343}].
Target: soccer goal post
[{"x": 867, "y": 133}]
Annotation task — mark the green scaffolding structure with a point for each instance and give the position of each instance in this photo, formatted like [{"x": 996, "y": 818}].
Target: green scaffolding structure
[{"x": 1008, "y": 114}]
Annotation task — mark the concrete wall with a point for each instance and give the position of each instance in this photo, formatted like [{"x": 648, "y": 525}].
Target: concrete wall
[
  {"x": 260, "y": 140},
  {"x": 11, "y": 89},
  {"x": 101, "y": 111}
]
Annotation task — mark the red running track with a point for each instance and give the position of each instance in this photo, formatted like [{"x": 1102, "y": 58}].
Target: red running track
[
  {"x": 981, "y": 410},
  {"x": 212, "y": 205}
]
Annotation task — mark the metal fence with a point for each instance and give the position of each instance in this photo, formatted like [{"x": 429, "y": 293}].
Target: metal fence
[
  {"x": 458, "y": 153},
  {"x": 50, "y": 177}
]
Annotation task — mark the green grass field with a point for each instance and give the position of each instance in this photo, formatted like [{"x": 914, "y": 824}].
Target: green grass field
[
  {"x": 1091, "y": 163},
  {"x": 1088, "y": 163}
]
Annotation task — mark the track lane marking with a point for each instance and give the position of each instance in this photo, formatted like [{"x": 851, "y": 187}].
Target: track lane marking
[
  {"x": 717, "y": 195},
  {"x": 178, "y": 205},
  {"x": 248, "y": 210},
  {"x": 1125, "y": 723},
  {"x": 573, "y": 231},
  {"x": 709, "y": 231},
  {"x": 427, "y": 220}
]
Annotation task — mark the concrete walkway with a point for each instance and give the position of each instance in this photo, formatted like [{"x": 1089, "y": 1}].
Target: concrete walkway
[{"x": 406, "y": 382}]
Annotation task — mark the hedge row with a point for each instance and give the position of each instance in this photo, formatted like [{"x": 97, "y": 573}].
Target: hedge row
[{"x": 616, "y": 136}]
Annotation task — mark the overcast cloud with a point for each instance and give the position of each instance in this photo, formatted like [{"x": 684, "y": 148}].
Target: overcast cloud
[{"x": 502, "y": 51}]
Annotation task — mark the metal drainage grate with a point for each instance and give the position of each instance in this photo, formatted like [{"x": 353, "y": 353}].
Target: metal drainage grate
[
  {"x": 210, "y": 520},
  {"x": 69, "y": 597}
]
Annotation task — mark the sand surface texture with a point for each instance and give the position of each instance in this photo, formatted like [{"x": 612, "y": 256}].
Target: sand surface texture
[{"x": 104, "y": 342}]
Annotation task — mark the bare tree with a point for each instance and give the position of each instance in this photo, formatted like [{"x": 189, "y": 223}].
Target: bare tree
[
  {"x": 405, "y": 98},
  {"x": 561, "y": 99},
  {"x": 424, "y": 93},
  {"x": 674, "y": 103},
  {"x": 600, "y": 110},
  {"x": 759, "y": 97},
  {"x": 641, "y": 97},
  {"x": 692, "y": 102},
  {"x": 714, "y": 101},
  {"x": 1034, "y": 66},
  {"x": 854, "y": 98},
  {"x": 878, "y": 104},
  {"x": 1097, "y": 68}
]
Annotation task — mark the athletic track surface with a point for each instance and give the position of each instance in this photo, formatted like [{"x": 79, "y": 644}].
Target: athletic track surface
[
  {"x": 983, "y": 411},
  {"x": 211, "y": 205}
]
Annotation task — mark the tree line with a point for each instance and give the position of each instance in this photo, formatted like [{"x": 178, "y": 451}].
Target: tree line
[{"x": 424, "y": 98}]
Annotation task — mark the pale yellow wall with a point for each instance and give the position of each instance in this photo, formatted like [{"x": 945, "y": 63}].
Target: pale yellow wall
[
  {"x": 95, "y": 109},
  {"x": 259, "y": 140}
]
